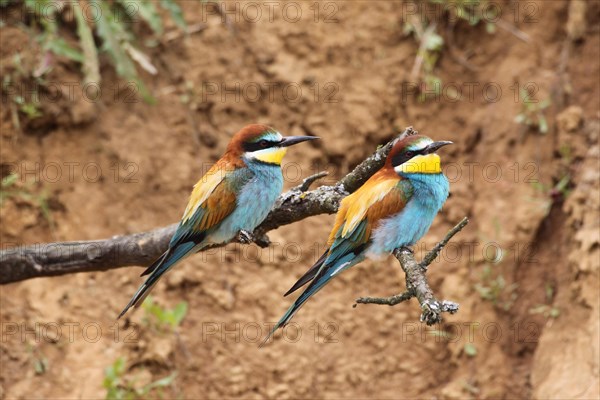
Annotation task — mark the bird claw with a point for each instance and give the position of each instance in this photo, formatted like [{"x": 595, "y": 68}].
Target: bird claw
[
  {"x": 245, "y": 237},
  {"x": 407, "y": 249}
]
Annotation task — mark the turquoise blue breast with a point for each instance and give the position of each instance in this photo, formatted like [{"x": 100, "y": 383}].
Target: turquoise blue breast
[
  {"x": 430, "y": 191},
  {"x": 254, "y": 201}
]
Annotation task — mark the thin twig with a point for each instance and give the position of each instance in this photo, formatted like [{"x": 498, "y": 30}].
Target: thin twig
[
  {"x": 224, "y": 16},
  {"x": 432, "y": 255},
  {"x": 305, "y": 185},
  {"x": 416, "y": 69},
  {"x": 390, "y": 301},
  {"x": 454, "y": 55},
  {"x": 178, "y": 33},
  {"x": 417, "y": 284},
  {"x": 514, "y": 30}
]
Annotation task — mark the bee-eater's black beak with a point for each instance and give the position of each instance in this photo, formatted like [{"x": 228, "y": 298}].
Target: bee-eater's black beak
[
  {"x": 433, "y": 147},
  {"x": 292, "y": 140}
]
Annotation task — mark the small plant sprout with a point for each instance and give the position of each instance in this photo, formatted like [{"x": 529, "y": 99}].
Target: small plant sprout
[
  {"x": 119, "y": 386},
  {"x": 471, "y": 11},
  {"x": 428, "y": 54},
  {"x": 532, "y": 112},
  {"x": 38, "y": 359},
  {"x": 29, "y": 108},
  {"x": 163, "y": 319},
  {"x": 431, "y": 43},
  {"x": 493, "y": 288},
  {"x": 470, "y": 349},
  {"x": 546, "y": 310},
  {"x": 113, "y": 26},
  {"x": 12, "y": 187}
]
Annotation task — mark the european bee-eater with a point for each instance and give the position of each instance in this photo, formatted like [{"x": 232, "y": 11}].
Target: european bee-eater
[
  {"x": 394, "y": 208},
  {"x": 233, "y": 197}
]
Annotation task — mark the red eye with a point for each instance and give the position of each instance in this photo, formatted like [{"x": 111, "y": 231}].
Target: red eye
[{"x": 263, "y": 144}]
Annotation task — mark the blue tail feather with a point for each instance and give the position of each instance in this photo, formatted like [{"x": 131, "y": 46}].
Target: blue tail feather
[
  {"x": 325, "y": 275},
  {"x": 158, "y": 268},
  {"x": 309, "y": 275}
]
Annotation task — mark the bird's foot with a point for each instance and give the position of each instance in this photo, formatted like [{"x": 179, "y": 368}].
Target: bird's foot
[
  {"x": 406, "y": 249},
  {"x": 246, "y": 237}
]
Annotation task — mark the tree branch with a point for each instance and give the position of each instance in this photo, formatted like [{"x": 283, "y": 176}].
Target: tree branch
[
  {"x": 53, "y": 259},
  {"x": 417, "y": 284},
  {"x": 432, "y": 255}
]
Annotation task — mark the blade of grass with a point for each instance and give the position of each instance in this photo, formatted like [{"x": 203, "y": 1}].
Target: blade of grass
[
  {"x": 115, "y": 39},
  {"x": 147, "y": 11},
  {"x": 91, "y": 69},
  {"x": 175, "y": 11}
]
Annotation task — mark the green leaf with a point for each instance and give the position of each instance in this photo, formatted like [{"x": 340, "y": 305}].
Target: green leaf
[
  {"x": 119, "y": 365},
  {"x": 9, "y": 180},
  {"x": 524, "y": 94},
  {"x": 39, "y": 5},
  {"x": 549, "y": 291},
  {"x": 60, "y": 47},
  {"x": 179, "y": 313},
  {"x": 40, "y": 366},
  {"x": 30, "y": 110},
  {"x": 113, "y": 35},
  {"x": 116, "y": 39},
  {"x": 175, "y": 11},
  {"x": 148, "y": 303},
  {"x": 470, "y": 349},
  {"x": 148, "y": 13},
  {"x": 163, "y": 382},
  {"x": 539, "y": 309},
  {"x": 545, "y": 104},
  {"x": 91, "y": 68},
  {"x": 109, "y": 375},
  {"x": 543, "y": 124},
  {"x": 434, "y": 42}
]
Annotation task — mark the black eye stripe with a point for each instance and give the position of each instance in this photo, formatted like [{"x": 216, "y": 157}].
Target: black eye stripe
[
  {"x": 404, "y": 156},
  {"x": 400, "y": 159},
  {"x": 260, "y": 145}
]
